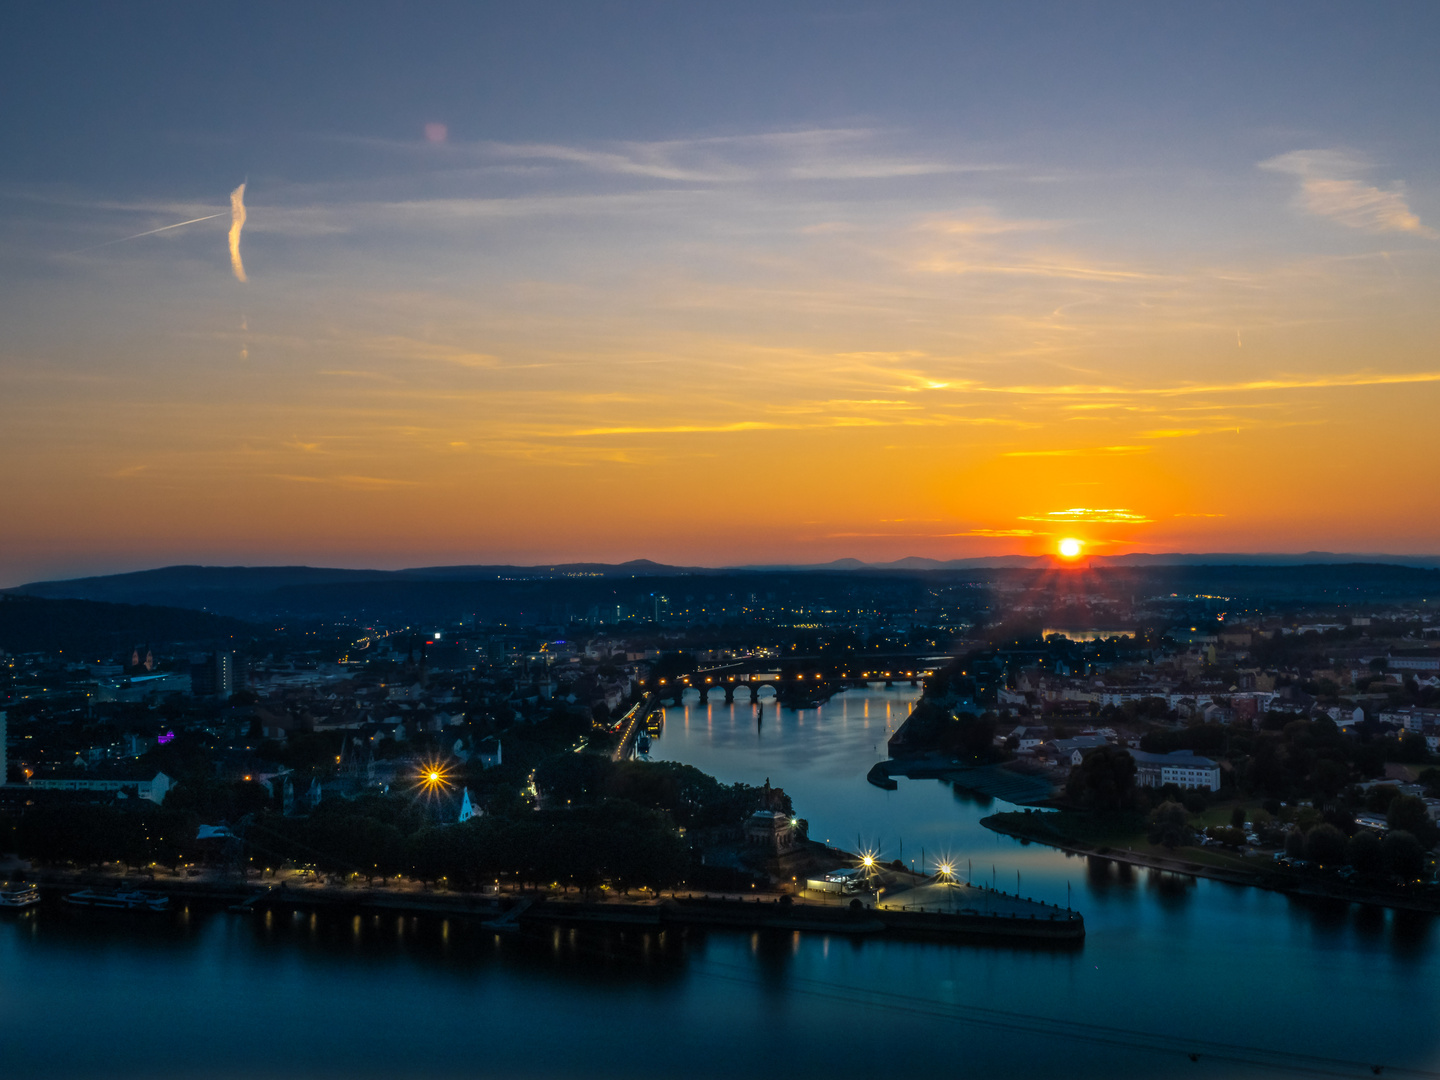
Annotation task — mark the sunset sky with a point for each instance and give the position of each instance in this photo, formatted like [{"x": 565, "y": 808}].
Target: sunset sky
[{"x": 715, "y": 284}]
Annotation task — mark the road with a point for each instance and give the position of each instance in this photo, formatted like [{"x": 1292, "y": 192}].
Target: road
[{"x": 630, "y": 727}]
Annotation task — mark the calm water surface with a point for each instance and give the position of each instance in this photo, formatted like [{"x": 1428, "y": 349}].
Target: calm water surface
[{"x": 1169, "y": 966}]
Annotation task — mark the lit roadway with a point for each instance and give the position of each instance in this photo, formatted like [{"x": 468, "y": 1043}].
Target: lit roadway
[{"x": 630, "y": 727}]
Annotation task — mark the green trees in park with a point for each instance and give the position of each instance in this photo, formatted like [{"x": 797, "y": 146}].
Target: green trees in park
[
  {"x": 614, "y": 841},
  {"x": 1408, "y": 813},
  {"x": 1404, "y": 857},
  {"x": 1325, "y": 845},
  {"x": 621, "y": 827},
  {"x": 1228, "y": 835},
  {"x": 1364, "y": 853},
  {"x": 1294, "y": 844},
  {"x": 1170, "y": 825},
  {"x": 1398, "y": 855},
  {"x": 1104, "y": 780},
  {"x": 89, "y": 835},
  {"x": 692, "y": 798},
  {"x": 970, "y": 736}
]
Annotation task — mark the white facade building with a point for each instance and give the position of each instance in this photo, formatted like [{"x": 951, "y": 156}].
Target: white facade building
[
  {"x": 1184, "y": 768},
  {"x": 152, "y": 790}
]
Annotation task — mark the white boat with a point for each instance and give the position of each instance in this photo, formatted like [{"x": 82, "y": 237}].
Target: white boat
[
  {"x": 126, "y": 899},
  {"x": 18, "y": 895}
]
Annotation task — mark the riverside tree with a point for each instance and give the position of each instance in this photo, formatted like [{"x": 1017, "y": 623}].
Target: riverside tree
[{"x": 1104, "y": 780}]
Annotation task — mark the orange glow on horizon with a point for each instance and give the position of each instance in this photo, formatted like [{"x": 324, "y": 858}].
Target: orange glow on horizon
[{"x": 792, "y": 403}]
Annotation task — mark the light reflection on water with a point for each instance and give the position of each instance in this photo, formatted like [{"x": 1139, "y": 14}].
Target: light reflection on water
[{"x": 209, "y": 993}]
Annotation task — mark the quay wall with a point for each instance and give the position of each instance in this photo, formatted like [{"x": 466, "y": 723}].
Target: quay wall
[{"x": 694, "y": 910}]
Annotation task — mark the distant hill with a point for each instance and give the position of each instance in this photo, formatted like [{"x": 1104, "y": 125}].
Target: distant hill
[
  {"x": 1308, "y": 558},
  {"x": 633, "y": 568},
  {"x": 245, "y": 589},
  {"x": 89, "y": 629},
  {"x": 1039, "y": 562},
  {"x": 552, "y": 594}
]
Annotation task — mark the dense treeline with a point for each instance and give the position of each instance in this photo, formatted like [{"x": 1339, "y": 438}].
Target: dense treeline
[
  {"x": 933, "y": 728},
  {"x": 88, "y": 835},
  {"x": 1291, "y": 758},
  {"x": 1306, "y": 759},
  {"x": 30, "y": 624},
  {"x": 603, "y": 822},
  {"x": 614, "y": 841},
  {"x": 691, "y": 798},
  {"x": 1320, "y": 832}
]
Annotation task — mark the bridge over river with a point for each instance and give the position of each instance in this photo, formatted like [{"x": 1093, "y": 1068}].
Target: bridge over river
[{"x": 814, "y": 676}]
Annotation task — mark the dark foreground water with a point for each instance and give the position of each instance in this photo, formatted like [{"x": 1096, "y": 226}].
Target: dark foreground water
[{"x": 1170, "y": 967}]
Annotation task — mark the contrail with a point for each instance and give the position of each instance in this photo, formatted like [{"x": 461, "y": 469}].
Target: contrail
[
  {"x": 237, "y": 222},
  {"x": 152, "y": 232}
]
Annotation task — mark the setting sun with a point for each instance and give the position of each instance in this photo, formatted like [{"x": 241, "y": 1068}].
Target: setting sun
[{"x": 1070, "y": 547}]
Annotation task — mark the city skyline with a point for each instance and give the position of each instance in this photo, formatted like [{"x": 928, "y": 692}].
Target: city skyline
[{"x": 715, "y": 288}]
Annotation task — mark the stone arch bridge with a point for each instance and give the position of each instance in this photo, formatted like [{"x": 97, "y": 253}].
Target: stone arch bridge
[{"x": 809, "y": 675}]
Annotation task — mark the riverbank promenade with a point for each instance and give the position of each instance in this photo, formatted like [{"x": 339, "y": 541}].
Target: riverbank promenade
[{"x": 945, "y": 912}]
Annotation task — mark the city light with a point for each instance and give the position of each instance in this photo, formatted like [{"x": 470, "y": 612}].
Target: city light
[{"x": 433, "y": 777}]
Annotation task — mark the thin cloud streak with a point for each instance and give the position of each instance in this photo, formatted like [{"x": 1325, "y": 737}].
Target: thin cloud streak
[
  {"x": 150, "y": 232},
  {"x": 1315, "y": 383},
  {"x": 237, "y": 222},
  {"x": 1085, "y": 514},
  {"x": 1329, "y": 188},
  {"x": 1080, "y": 452},
  {"x": 818, "y": 154}
]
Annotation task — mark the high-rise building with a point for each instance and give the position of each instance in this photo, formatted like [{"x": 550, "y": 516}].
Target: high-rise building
[
  {"x": 214, "y": 676},
  {"x": 4, "y": 759},
  {"x": 224, "y": 675}
]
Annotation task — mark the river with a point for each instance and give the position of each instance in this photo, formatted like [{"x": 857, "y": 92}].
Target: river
[{"x": 1170, "y": 966}]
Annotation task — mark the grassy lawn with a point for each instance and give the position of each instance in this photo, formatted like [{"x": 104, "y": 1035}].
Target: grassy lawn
[
  {"x": 1219, "y": 814},
  {"x": 1121, "y": 832},
  {"x": 1095, "y": 830}
]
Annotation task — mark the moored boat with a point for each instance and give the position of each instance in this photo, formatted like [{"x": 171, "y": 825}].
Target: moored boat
[
  {"x": 124, "y": 899},
  {"x": 18, "y": 895}
]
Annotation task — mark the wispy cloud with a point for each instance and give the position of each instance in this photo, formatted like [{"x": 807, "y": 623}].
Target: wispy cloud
[
  {"x": 353, "y": 482},
  {"x": 1313, "y": 382},
  {"x": 1080, "y": 451},
  {"x": 237, "y": 222},
  {"x": 904, "y": 535},
  {"x": 801, "y": 155},
  {"x": 1081, "y": 513},
  {"x": 1172, "y": 433},
  {"x": 685, "y": 429},
  {"x": 1330, "y": 187},
  {"x": 375, "y": 482},
  {"x": 988, "y": 223}
]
